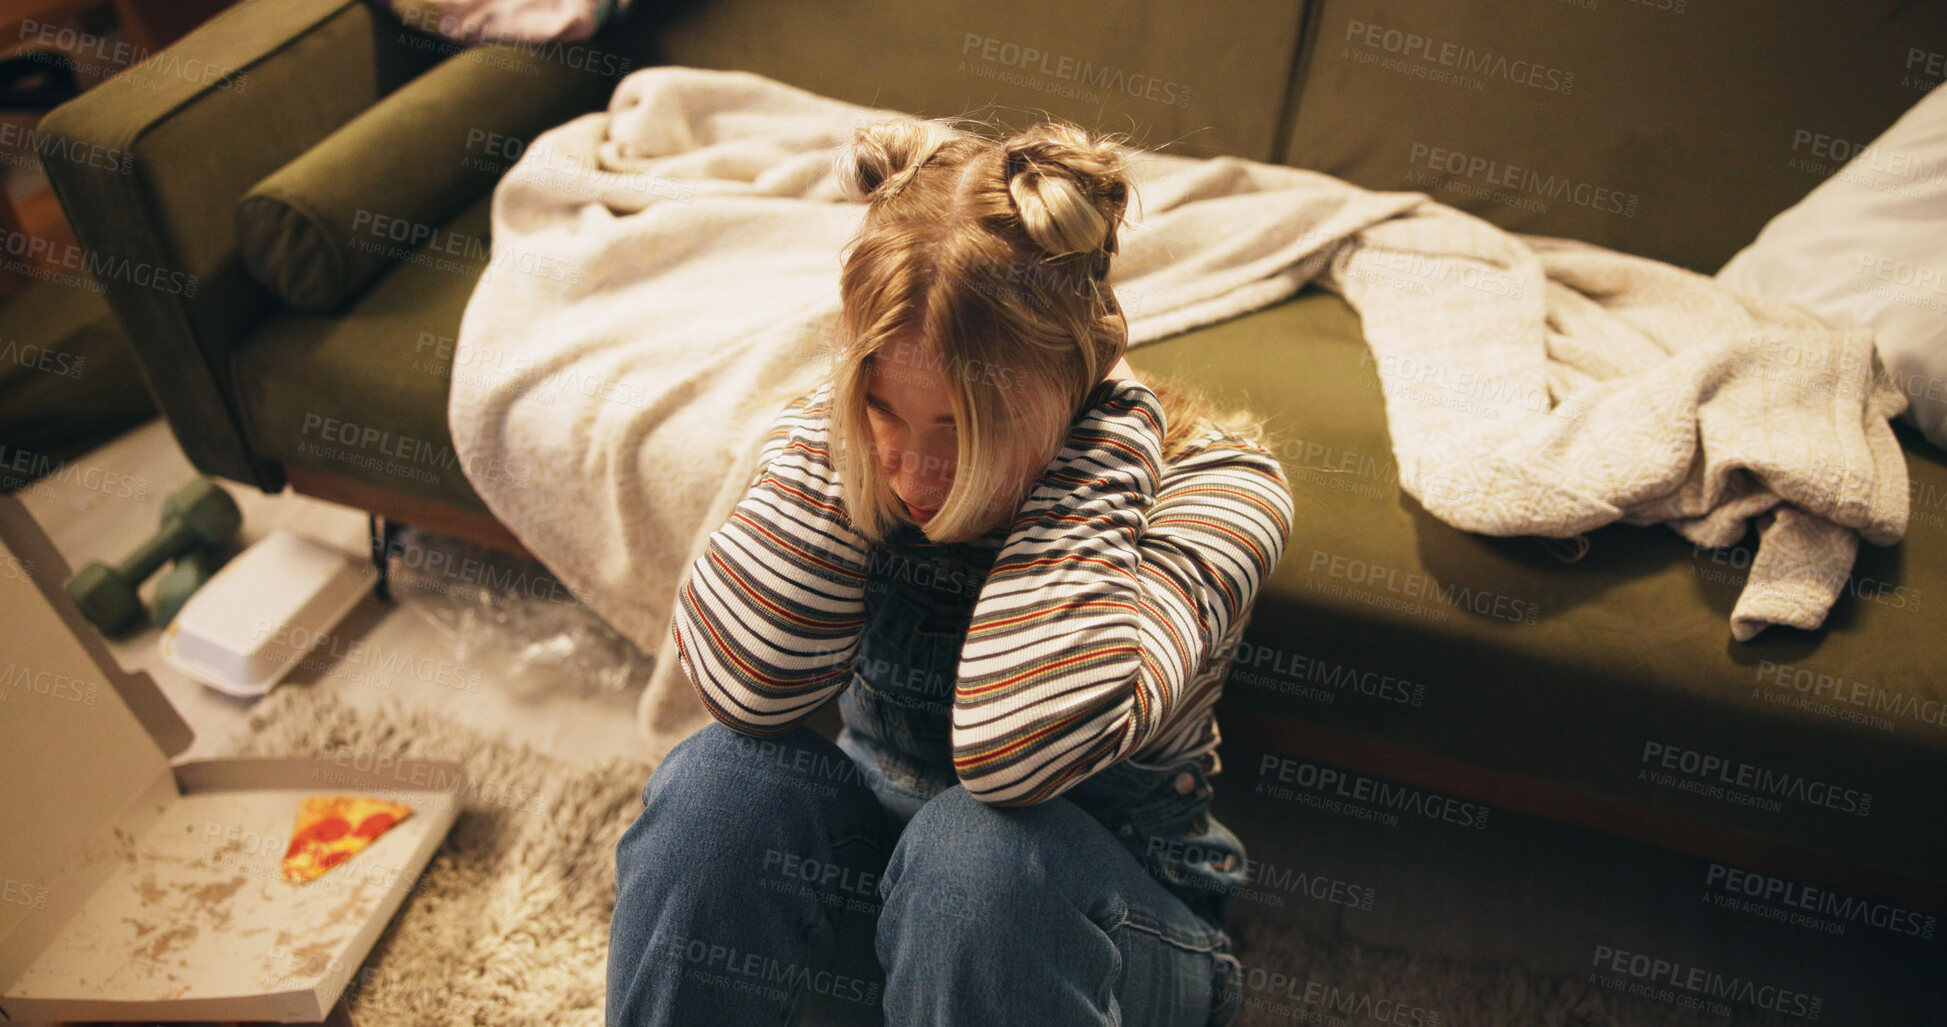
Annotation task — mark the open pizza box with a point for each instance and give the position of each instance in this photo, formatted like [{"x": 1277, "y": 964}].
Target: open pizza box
[{"x": 133, "y": 889}]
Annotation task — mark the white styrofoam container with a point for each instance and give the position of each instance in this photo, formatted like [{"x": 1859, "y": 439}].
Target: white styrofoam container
[
  {"x": 261, "y": 612},
  {"x": 141, "y": 890}
]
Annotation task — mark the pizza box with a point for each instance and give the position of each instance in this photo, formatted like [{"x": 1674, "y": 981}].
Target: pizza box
[{"x": 131, "y": 889}]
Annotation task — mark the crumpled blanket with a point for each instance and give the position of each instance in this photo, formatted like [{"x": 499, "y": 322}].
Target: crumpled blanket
[
  {"x": 665, "y": 274},
  {"x": 507, "y": 21}
]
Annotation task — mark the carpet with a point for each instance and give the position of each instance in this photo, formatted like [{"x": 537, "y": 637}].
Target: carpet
[
  {"x": 509, "y": 923},
  {"x": 1344, "y": 983}
]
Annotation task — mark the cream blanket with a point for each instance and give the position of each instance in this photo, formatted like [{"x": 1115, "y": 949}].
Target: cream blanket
[{"x": 665, "y": 273}]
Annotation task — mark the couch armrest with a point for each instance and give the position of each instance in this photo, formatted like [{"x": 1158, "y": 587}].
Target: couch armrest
[
  {"x": 148, "y": 168},
  {"x": 345, "y": 211}
]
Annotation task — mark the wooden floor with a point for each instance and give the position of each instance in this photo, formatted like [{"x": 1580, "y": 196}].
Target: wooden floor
[{"x": 108, "y": 523}]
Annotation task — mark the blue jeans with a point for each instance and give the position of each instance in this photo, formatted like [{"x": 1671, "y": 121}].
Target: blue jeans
[{"x": 1103, "y": 905}]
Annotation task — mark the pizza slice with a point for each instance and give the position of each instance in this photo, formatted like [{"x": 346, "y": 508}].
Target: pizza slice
[{"x": 331, "y": 828}]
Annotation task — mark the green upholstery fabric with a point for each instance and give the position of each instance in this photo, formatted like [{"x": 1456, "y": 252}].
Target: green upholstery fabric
[
  {"x": 319, "y": 228},
  {"x": 1671, "y": 129},
  {"x": 163, "y": 218},
  {"x": 1565, "y": 671},
  {"x": 1181, "y": 78},
  {"x": 363, "y": 393},
  {"x": 68, "y": 381}
]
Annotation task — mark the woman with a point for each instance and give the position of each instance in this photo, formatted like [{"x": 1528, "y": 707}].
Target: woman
[{"x": 1031, "y": 568}]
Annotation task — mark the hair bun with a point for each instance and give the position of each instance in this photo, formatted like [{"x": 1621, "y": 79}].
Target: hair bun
[
  {"x": 1069, "y": 186},
  {"x": 883, "y": 155}
]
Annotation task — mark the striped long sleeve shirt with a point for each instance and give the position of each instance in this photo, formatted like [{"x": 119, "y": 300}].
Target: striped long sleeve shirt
[{"x": 1103, "y": 630}]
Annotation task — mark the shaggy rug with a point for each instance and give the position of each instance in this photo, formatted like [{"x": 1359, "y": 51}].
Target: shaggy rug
[{"x": 509, "y": 924}]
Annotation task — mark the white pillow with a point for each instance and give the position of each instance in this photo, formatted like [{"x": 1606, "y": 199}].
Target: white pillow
[{"x": 1869, "y": 246}]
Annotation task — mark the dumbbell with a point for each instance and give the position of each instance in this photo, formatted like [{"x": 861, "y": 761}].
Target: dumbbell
[
  {"x": 198, "y": 514},
  {"x": 189, "y": 573}
]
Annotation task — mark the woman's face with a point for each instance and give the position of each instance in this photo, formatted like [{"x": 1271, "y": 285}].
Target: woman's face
[{"x": 914, "y": 433}]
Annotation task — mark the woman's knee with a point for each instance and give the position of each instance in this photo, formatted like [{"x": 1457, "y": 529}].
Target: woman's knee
[
  {"x": 720, "y": 790},
  {"x": 960, "y": 859}
]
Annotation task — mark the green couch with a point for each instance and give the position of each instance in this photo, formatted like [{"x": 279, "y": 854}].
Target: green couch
[{"x": 1590, "y": 685}]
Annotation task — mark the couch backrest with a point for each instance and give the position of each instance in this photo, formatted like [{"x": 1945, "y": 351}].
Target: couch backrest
[
  {"x": 1666, "y": 128},
  {"x": 1181, "y": 77},
  {"x": 1671, "y": 129}
]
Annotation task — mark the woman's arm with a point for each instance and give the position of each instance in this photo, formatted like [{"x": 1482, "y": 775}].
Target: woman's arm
[
  {"x": 1107, "y": 597},
  {"x": 767, "y": 621}
]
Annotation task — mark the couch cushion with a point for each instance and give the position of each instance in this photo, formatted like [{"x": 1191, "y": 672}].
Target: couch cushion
[
  {"x": 1384, "y": 623},
  {"x": 363, "y": 393},
  {"x": 319, "y": 228}
]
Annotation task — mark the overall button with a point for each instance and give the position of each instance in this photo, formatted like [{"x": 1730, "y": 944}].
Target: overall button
[
  {"x": 1127, "y": 830},
  {"x": 1185, "y": 782}
]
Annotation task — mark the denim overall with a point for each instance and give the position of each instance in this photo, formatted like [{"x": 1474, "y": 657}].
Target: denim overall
[{"x": 897, "y": 712}]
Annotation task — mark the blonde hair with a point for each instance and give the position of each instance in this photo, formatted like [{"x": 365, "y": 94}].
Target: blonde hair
[{"x": 995, "y": 254}]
